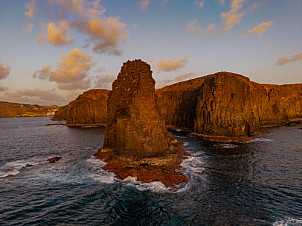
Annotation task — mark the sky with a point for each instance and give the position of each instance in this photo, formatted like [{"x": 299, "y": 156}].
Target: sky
[{"x": 53, "y": 50}]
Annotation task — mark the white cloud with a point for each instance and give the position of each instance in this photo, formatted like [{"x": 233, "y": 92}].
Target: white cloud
[
  {"x": 254, "y": 6},
  {"x": 233, "y": 17},
  {"x": 4, "y": 71},
  {"x": 56, "y": 35},
  {"x": 104, "y": 81},
  {"x": 44, "y": 73},
  {"x": 80, "y": 8},
  {"x": 293, "y": 58},
  {"x": 31, "y": 6},
  {"x": 209, "y": 29},
  {"x": 78, "y": 84},
  {"x": 144, "y": 4},
  {"x": 71, "y": 73},
  {"x": 106, "y": 34},
  {"x": 192, "y": 27},
  {"x": 260, "y": 29},
  {"x": 177, "y": 79},
  {"x": 35, "y": 96},
  {"x": 199, "y": 3},
  {"x": 171, "y": 64}
]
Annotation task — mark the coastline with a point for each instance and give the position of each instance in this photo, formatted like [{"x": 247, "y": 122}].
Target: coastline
[
  {"x": 163, "y": 168},
  {"x": 264, "y": 129}
]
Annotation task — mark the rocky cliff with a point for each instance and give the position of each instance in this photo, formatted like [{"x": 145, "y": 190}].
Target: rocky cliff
[
  {"x": 223, "y": 106},
  {"x": 229, "y": 106},
  {"x": 136, "y": 141},
  {"x": 89, "y": 108},
  {"x": 177, "y": 103},
  {"x": 133, "y": 120}
]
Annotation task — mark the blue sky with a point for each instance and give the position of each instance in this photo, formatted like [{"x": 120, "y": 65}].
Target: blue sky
[{"x": 53, "y": 50}]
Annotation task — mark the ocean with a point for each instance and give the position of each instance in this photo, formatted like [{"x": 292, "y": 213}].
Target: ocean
[{"x": 254, "y": 183}]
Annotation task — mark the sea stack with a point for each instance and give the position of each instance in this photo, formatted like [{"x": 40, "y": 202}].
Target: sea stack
[
  {"x": 134, "y": 123},
  {"x": 137, "y": 143}
]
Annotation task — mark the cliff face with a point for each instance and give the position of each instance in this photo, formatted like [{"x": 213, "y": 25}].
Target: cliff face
[
  {"x": 177, "y": 103},
  {"x": 88, "y": 108},
  {"x": 229, "y": 105},
  {"x": 221, "y": 104},
  {"x": 133, "y": 120},
  {"x": 136, "y": 142},
  {"x": 224, "y": 106}
]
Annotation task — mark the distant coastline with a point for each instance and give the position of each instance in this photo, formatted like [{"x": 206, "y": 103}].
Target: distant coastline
[{"x": 11, "y": 110}]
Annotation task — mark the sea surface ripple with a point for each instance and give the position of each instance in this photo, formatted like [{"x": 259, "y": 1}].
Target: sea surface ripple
[{"x": 255, "y": 183}]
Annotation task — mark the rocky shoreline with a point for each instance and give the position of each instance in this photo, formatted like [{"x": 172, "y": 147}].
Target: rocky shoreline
[
  {"x": 222, "y": 107},
  {"x": 136, "y": 142},
  {"x": 164, "y": 168}
]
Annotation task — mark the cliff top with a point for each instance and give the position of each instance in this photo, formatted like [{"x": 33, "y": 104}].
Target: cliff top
[{"x": 197, "y": 82}]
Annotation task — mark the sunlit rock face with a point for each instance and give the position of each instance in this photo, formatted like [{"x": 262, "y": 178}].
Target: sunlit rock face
[
  {"x": 89, "y": 108},
  {"x": 134, "y": 124},
  {"x": 229, "y": 105},
  {"x": 223, "y": 106}
]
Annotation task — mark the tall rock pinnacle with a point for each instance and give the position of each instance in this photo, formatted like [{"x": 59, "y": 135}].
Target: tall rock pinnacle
[{"x": 134, "y": 124}]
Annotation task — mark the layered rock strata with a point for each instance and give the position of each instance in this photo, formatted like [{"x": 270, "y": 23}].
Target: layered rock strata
[
  {"x": 90, "y": 108},
  {"x": 133, "y": 120},
  {"x": 226, "y": 106},
  {"x": 136, "y": 141}
]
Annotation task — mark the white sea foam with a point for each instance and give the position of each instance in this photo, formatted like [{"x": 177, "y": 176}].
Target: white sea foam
[
  {"x": 89, "y": 148},
  {"x": 226, "y": 146},
  {"x": 104, "y": 176},
  {"x": 260, "y": 139},
  {"x": 98, "y": 173},
  {"x": 288, "y": 221},
  {"x": 15, "y": 167},
  {"x": 10, "y": 173},
  {"x": 191, "y": 168},
  {"x": 186, "y": 144},
  {"x": 155, "y": 186}
]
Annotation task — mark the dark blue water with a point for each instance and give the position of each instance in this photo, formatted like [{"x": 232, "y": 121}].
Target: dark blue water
[{"x": 257, "y": 183}]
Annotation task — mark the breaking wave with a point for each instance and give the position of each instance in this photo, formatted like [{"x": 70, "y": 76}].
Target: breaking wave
[
  {"x": 99, "y": 174},
  {"x": 15, "y": 167},
  {"x": 288, "y": 222},
  {"x": 226, "y": 146},
  {"x": 260, "y": 139},
  {"x": 191, "y": 168}
]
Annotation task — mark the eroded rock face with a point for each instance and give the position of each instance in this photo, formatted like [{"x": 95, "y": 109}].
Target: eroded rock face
[
  {"x": 223, "y": 104},
  {"x": 134, "y": 124},
  {"x": 228, "y": 106},
  {"x": 89, "y": 108},
  {"x": 177, "y": 103},
  {"x": 223, "y": 107}
]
